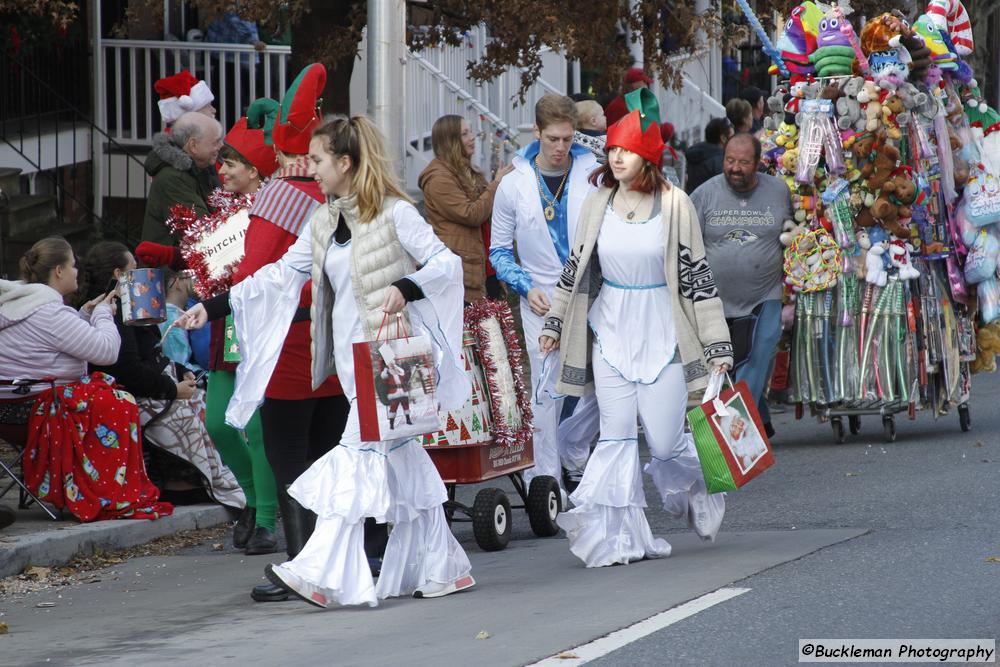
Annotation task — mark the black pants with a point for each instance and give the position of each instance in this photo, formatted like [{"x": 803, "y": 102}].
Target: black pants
[{"x": 297, "y": 432}]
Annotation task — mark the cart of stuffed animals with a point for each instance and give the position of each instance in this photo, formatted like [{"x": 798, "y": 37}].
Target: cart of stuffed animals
[
  {"x": 490, "y": 436},
  {"x": 892, "y": 158}
]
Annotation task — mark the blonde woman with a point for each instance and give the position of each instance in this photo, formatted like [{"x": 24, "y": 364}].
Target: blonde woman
[
  {"x": 361, "y": 250},
  {"x": 458, "y": 202},
  {"x": 637, "y": 318}
]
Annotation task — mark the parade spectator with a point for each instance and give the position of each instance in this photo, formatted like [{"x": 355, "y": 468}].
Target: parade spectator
[
  {"x": 704, "y": 159},
  {"x": 740, "y": 115},
  {"x": 640, "y": 236},
  {"x": 181, "y": 93},
  {"x": 635, "y": 78},
  {"x": 591, "y": 128},
  {"x": 182, "y": 166},
  {"x": 741, "y": 213},
  {"x": 674, "y": 164},
  {"x": 83, "y": 450},
  {"x": 458, "y": 202},
  {"x": 170, "y": 405},
  {"x": 536, "y": 208},
  {"x": 176, "y": 342},
  {"x": 755, "y": 98},
  {"x": 229, "y": 28},
  {"x": 363, "y": 252}
]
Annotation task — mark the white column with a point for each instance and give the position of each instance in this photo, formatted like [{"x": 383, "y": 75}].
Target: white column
[
  {"x": 386, "y": 72},
  {"x": 97, "y": 155}
]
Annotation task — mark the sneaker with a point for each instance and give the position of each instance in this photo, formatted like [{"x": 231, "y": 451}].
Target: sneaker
[
  {"x": 433, "y": 589},
  {"x": 298, "y": 587}
]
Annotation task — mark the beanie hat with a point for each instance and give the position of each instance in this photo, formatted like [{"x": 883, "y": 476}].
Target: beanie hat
[
  {"x": 181, "y": 93},
  {"x": 636, "y": 74},
  {"x": 253, "y": 145},
  {"x": 639, "y": 130},
  {"x": 299, "y": 114}
]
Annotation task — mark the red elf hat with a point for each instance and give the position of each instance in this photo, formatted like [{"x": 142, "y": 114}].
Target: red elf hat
[
  {"x": 299, "y": 113},
  {"x": 639, "y": 130}
]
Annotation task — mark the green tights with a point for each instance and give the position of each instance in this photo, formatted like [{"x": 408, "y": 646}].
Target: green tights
[{"x": 244, "y": 455}]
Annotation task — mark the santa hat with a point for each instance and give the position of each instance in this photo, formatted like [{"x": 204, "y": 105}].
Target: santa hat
[
  {"x": 251, "y": 138},
  {"x": 181, "y": 93},
  {"x": 299, "y": 113},
  {"x": 639, "y": 130}
]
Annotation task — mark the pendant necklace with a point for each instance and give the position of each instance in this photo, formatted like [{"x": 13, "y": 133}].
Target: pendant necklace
[
  {"x": 631, "y": 213},
  {"x": 550, "y": 209}
]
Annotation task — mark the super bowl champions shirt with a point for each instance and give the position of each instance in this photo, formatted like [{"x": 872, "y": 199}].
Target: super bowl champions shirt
[{"x": 740, "y": 231}]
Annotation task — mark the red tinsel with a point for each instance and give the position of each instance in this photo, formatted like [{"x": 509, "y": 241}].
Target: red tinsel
[
  {"x": 503, "y": 433},
  {"x": 192, "y": 229}
]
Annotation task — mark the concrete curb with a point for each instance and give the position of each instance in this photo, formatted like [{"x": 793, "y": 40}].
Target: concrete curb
[{"x": 57, "y": 547}]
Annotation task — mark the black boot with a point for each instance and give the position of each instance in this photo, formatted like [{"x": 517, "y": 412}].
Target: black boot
[
  {"x": 263, "y": 541},
  {"x": 392, "y": 423},
  {"x": 376, "y": 539},
  {"x": 244, "y": 527},
  {"x": 408, "y": 420},
  {"x": 298, "y": 523}
]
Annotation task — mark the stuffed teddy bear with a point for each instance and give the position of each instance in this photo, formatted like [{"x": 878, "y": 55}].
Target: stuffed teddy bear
[
  {"x": 892, "y": 108},
  {"x": 874, "y": 264},
  {"x": 790, "y": 230},
  {"x": 879, "y": 170},
  {"x": 987, "y": 347},
  {"x": 892, "y": 207},
  {"x": 868, "y": 98},
  {"x": 848, "y": 108},
  {"x": 899, "y": 256}
]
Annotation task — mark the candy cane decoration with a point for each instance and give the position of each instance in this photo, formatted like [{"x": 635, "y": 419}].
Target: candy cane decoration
[
  {"x": 769, "y": 48},
  {"x": 952, "y": 17}
]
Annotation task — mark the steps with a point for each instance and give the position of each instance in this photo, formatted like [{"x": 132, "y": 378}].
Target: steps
[{"x": 25, "y": 219}]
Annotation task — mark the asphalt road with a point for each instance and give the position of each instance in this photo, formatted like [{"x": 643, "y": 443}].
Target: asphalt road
[{"x": 865, "y": 540}]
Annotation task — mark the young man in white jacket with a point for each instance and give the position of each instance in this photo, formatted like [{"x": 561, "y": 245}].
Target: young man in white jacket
[{"x": 536, "y": 207}]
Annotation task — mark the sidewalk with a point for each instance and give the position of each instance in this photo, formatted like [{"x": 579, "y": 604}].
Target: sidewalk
[{"x": 35, "y": 539}]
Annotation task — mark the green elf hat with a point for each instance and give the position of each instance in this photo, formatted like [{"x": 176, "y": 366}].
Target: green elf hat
[
  {"x": 261, "y": 115},
  {"x": 639, "y": 130},
  {"x": 299, "y": 112}
]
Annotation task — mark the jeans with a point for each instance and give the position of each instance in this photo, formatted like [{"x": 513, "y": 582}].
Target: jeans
[{"x": 757, "y": 366}]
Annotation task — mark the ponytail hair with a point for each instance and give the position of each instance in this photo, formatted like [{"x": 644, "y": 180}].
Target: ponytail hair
[
  {"x": 372, "y": 176},
  {"x": 37, "y": 264},
  {"x": 99, "y": 268}
]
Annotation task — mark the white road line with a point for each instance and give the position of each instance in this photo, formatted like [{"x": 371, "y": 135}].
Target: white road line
[{"x": 614, "y": 641}]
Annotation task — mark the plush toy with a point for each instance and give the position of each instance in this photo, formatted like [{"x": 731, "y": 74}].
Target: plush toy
[
  {"x": 892, "y": 207},
  {"x": 862, "y": 244},
  {"x": 788, "y": 134},
  {"x": 834, "y": 55},
  {"x": 875, "y": 273},
  {"x": 868, "y": 97},
  {"x": 790, "y": 230},
  {"x": 951, "y": 17},
  {"x": 918, "y": 55},
  {"x": 987, "y": 348},
  {"x": 799, "y": 38},
  {"x": 848, "y": 108},
  {"x": 892, "y": 109},
  {"x": 776, "y": 108},
  {"x": 879, "y": 170},
  {"x": 899, "y": 256}
]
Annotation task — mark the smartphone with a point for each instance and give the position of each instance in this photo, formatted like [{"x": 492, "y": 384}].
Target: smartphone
[
  {"x": 111, "y": 286},
  {"x": 199, "y": 377}
]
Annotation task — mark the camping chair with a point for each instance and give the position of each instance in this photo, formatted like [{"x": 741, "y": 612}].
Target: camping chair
[{"x": 14, "y": 414}]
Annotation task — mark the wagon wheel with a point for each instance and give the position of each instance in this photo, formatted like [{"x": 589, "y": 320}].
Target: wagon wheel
[
  {"x": 964, "y": 418},
  {"x": 889, "y": 428},
  {"x": 838, "y": 430},
  {"x": 543, "y": 505},
  {"x": 491, "y": 519},
  {"x": 854, "y": 422}
]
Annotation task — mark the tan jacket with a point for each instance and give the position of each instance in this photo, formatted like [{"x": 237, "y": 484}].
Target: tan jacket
[
  {"x": 702, "y": 333},
  {"x": 457, "y": 217}
]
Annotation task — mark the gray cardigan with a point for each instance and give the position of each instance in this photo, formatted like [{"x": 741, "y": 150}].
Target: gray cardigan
[{"x": 702, "y": 333}]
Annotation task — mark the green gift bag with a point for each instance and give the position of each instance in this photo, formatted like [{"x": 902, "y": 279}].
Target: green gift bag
[
  {"x": 230, "y": 346},
  {"x": 729, "y": 436}
]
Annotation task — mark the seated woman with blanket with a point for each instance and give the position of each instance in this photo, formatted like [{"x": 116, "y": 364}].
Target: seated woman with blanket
[
  {"x": 83, "y": 450},
  {"x": 171, "y": 410}
]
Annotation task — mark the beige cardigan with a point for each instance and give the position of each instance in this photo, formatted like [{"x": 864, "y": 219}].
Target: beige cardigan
[{"x": 702, "y": 333}]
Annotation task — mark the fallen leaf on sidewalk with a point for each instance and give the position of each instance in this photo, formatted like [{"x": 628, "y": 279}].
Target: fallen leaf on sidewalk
[
  {"x": 993, "y": 559},
  {"x": 218, "y": 546},
  {"x": 483, "y": 635},
  {"x": 37, "y": 571},
  {"x": 4, "y": 629},
  {"x": 567, "y": 655}
]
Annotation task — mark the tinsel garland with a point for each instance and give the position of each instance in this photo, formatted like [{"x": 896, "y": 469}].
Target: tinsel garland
[
  {"x": 476, "y": 314},
  {"x": 192, "y": 229}
]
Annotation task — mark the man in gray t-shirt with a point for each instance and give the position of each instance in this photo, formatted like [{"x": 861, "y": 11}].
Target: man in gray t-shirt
[{"x": 741, "y": 213}]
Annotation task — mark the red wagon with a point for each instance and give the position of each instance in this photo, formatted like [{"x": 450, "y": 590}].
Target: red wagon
[{"x": 498, "y": 443}]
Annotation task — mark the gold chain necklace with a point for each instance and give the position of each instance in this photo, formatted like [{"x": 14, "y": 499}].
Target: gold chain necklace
[{"x": 550, "y": 210}]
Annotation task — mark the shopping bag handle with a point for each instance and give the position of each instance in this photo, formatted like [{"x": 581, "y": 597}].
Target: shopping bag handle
[
  {"x": 400, "y": 329},
  {"x": 714, "y": 388}
]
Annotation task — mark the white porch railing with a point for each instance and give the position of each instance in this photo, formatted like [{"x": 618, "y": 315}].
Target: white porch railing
[{"x": 236, "y": 73}]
